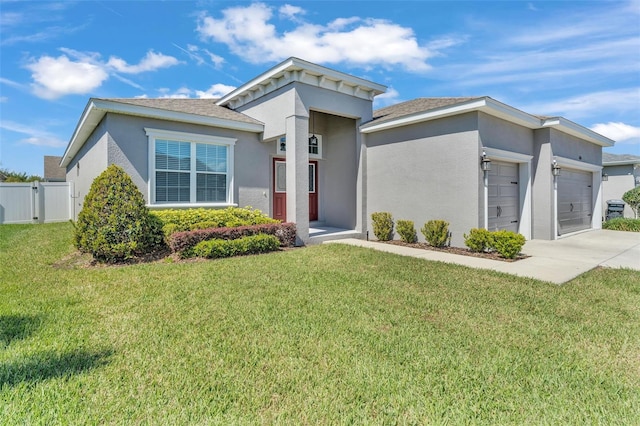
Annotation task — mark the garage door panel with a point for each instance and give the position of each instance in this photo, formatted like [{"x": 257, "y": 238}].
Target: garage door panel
[
  {"x": 574, "y": 201},
  {"x": 504, "y": 197}
]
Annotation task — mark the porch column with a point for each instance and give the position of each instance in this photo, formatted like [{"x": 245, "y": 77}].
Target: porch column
[{"x": 297, "y": 155}]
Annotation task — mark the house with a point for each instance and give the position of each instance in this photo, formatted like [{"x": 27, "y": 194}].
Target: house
[
  {"x": 302, "y": 143},
  {"x": 52, "y": 170},
  {"x": 620, "y": 174}
]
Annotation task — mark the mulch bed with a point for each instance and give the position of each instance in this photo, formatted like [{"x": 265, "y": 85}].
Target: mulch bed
[{"x": 457, "y": 250}]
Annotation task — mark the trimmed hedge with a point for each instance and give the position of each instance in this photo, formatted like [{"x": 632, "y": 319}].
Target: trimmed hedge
[
  {"x": 183, "y": 242},
  {"x": 407, "y": 231},
  {"x": 254, "y": 244},
  {"x": 179, "y": 220},
  {"x": 382, "y": 225},
  {"x": 478, "y": 240},
  {"x": 507, "y": 243},
  {"x": 622, "y": 224},
  {"x": 114, "y": 224},
  {"x": 436, "y": 232}
]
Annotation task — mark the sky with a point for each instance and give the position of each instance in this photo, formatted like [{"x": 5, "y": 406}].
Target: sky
[{"x": 575, "y": 59}]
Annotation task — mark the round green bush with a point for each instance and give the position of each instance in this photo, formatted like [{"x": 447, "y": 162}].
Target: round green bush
[{"x": 115, "y": 224}]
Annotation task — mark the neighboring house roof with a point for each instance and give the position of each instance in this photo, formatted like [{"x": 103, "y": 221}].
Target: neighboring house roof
[
  {"x": 3, "y": 177},
  {"x": 52, "y": 169},
  {"x": 295, "y": 69},
  {"x": 425, "y": 109},
  {"x": 196, "y": 111},
  {"x": 619, "y": 159}
]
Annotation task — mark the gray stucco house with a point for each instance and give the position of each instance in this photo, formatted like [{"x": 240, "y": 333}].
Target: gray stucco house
[
  {"x": 302, "y": 143},
  {"x": 621, "y": 173}
]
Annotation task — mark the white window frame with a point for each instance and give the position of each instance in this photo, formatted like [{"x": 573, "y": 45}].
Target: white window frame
[{"x": 193, "y": 139}]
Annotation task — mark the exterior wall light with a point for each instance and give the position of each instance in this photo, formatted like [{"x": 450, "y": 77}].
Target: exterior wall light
[
  {"x": 313, "y": 140},
  {"x": 605, "y": 177},
  {"x": 485, "y": 163},
  {"x": 555, "y": 169},
  {"x": 283, "y": 144}
]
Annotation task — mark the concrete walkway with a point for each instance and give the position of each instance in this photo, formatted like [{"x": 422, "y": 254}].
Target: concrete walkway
[{"x": 556, "y": 261}]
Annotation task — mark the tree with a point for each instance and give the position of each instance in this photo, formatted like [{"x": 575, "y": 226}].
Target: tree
[
  {"x": 632, "y": 198},
  {"x": 19, "y": 176}
]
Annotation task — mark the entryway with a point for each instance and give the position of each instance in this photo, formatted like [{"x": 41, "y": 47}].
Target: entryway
[{"x": 280, "y": 190}]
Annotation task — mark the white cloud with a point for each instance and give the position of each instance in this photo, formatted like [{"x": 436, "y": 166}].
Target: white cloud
[
  {"x": 215, "y": 91},
  {"x": 34, "y": 135},
  {"x": 249, "y": 33},
  {"x": 4, "y": 99},
  {"x": 289, "y": 12},
  {"x": 151, "y": 62},
  {"x": 80, "y": 73},
  {"x": 391, "y": 96},
  {"x": 590, "y": 104},
  {"x": 620, "y": 132},
  {"x": 56, "y": 77},
  {"x": 181, "y": 93}
]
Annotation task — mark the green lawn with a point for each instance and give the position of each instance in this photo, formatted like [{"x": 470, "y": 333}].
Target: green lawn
[{"x": 324, "y": 335}]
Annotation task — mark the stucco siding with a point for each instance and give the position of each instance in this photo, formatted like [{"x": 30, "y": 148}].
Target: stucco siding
[
  {"x": 128, "y": 144},
  {"x": 339, "y": 172},
  {"x": 543, "y": 202},
  {"x": 567, "y": 146},
  {"x": 500, "y": 134},
  {"x": 90, "y": 161},
  {"x": 621, "y": 179},
  {"x": 427, "y": 171}
]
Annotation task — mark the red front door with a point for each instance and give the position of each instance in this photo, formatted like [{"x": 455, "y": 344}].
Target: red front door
[{"x": 280, "y": 189}]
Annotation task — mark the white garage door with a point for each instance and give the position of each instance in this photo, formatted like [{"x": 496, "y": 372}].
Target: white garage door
[
  {"x": 574, "y": 201},
  {"x": 504, "y": 199}
]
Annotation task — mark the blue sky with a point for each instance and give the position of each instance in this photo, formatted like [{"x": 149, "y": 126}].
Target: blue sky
[{"x": 576, "y": 59}]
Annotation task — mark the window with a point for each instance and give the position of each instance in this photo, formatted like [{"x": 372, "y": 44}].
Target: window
[{"x": 189, "y": 168}]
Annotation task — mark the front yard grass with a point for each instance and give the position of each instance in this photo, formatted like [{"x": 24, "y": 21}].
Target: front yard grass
[{"x": 322, "y": 335}]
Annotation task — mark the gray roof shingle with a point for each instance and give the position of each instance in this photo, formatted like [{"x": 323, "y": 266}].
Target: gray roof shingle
[
  {"x": 608, "y": 158},
  {"x": 415, "y": 106},
  {"x": 203, "y": 107}
]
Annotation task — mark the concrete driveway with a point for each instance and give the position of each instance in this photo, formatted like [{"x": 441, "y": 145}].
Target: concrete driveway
[{"x": 556, "y": 261}]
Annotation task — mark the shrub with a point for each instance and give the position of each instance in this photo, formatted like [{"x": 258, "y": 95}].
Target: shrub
[
  {"x": 382, "y": 225},
  {"x": 632, "y": 198},
  {"x": 407, "y": 231},
  {"x": 114, "y": 223},
  {"x": 478, "y": 240},
  {"x": 622, "y": 224},
  {"x": 253, "y": 244},
  {"x": 507, "y": 243},
  {"x": 184, "y": 242},
  {"x": 178, "y": 220},
  {"x": 436, "y": 232}
]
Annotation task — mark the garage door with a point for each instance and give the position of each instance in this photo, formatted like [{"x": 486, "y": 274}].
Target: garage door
[
  {"x": 574, "y": 201},
  {"x": 504, "y": 199}
]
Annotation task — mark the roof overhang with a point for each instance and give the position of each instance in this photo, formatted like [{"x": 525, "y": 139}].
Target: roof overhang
[
  {"x": 494, "y": 108},
  {"x": 571, "y": 128},
  {"x": 621, "y": 163},
  {"x": 298, "y": 70},
  {"x": 487, "y": 105},
  {"x": 96, "y": 109}
]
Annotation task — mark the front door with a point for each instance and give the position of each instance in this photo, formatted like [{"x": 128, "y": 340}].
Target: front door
[{"x": 280, "y": 190}]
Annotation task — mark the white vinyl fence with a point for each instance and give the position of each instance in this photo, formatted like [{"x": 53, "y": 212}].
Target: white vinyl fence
[{"x": 36, "y": 202}]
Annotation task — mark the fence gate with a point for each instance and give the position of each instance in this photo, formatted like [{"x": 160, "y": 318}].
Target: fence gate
[{"x": 36, "y": 202}]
